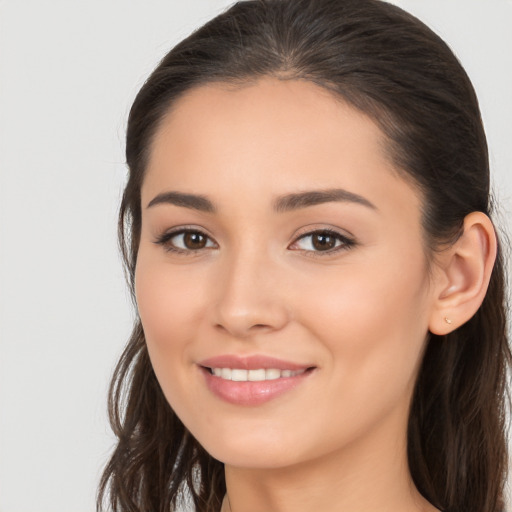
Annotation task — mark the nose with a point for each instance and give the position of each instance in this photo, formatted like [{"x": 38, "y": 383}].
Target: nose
[{"x": 249, "y": 299}]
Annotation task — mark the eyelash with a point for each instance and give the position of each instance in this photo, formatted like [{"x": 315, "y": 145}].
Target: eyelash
[{"x": 346, "y": 242}]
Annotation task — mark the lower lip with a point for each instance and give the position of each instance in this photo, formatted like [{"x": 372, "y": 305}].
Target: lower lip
[{"x": 251, "y": 393}]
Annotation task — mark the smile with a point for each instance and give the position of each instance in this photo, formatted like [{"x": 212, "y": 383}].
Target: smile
[
  {"x": 257, "y": 375},
  {"x": 252, "y": 380}
]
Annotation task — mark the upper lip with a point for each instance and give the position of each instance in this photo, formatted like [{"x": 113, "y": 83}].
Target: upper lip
[{"x": 253, "y": 362}]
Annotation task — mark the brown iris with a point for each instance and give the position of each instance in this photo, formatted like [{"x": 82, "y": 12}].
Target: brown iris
[
  {"x": 194, "y": 240},
  {"x": 323, "y": 241}
]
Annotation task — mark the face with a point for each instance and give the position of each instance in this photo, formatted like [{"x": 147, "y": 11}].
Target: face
[{"x": 281, "y": 277}]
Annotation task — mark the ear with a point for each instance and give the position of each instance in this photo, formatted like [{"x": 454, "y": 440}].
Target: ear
[{"x": 463, "y": 275}]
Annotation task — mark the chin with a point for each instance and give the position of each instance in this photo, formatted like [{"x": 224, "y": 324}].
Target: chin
[
  {"x": 253, "y": 459},
  {"x": 250, "y": 451}
]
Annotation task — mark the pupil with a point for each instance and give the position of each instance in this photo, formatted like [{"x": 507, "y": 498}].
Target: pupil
[
  {"x": 194, "y": 240},
  {"x": 323, "y": 242}
]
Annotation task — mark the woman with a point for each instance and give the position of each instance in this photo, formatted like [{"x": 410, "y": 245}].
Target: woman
[{"x": 307, "y": 234}]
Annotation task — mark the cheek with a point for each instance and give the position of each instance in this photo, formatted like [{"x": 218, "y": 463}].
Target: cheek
[
  {"x": 170, "y": 307},
  {"x": 167, "y": 302},
  {"x": 374, "y": 323}
]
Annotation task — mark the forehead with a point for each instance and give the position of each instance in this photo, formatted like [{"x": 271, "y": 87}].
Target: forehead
[
  {"x": 283, "y": 114},
  {"x": 269, "y": 137}
]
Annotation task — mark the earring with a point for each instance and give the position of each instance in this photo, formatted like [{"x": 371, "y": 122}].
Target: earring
[{"x": 447, "y": 320}]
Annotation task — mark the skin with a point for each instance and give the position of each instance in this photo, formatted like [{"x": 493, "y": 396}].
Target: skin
[{"x": 360, "y": 315}]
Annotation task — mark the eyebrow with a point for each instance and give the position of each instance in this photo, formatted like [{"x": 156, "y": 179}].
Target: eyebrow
[
  {"x": 299, "y": 200},
  {"x": 193, "y": 201},
  {"x": 286, "y": 203}
]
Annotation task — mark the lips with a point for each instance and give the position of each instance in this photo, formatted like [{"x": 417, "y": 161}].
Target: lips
[
  {"x": 256, "y": 375},
  {"x": 251, "y": 363},
  {"x": 251, "y": 380}
]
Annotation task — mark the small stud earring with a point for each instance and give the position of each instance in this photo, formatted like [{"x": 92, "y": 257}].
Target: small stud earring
[{"x": 447, "y": 320}]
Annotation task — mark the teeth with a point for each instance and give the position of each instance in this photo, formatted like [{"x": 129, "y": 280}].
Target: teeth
[
  {"x": 225, "y": 373},
  {"x": 239, "y": 375},
  {"x": 255, "y": 375},
  {"x": 272, "y": 374}
]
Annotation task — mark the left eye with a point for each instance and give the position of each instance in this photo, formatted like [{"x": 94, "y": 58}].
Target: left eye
[
  {"x": 322, "y": 241},
  {"x": 185, "y": 240},
  {"x": 192, "y": 240}
]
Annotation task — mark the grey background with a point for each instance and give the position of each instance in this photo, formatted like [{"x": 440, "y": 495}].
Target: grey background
[{"x": 68, "y": 73}]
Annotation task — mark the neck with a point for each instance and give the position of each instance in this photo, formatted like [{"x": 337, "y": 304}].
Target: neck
[{"x": 368, "y": 474}]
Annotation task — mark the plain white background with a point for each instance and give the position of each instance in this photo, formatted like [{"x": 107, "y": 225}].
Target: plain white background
[{"x": 68, "y": 73}]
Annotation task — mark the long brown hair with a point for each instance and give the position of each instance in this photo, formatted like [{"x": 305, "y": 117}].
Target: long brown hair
[{"x": 389, "y": 65}]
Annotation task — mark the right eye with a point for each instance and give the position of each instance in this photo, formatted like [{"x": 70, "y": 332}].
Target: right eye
[{"x": 185, "y": 241}]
